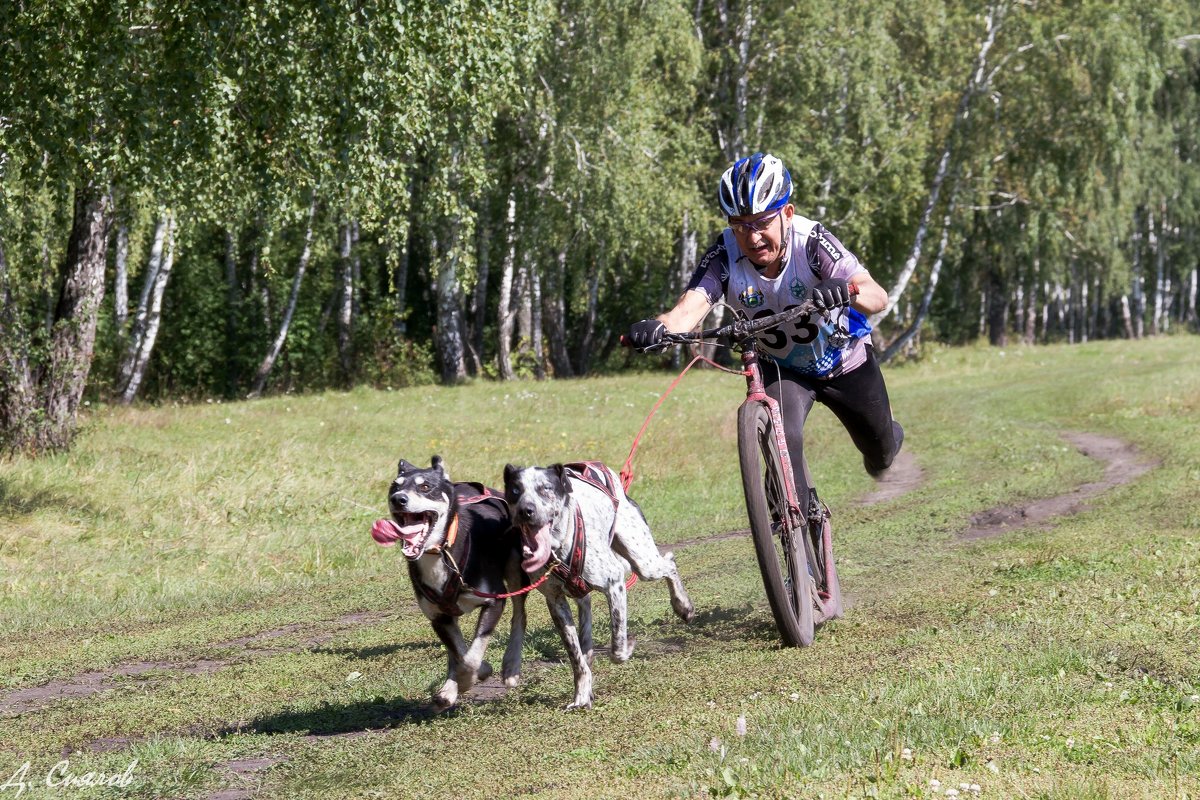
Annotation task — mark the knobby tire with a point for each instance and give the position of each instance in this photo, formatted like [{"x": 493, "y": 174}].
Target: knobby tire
[{"x": 781, "y": 559}]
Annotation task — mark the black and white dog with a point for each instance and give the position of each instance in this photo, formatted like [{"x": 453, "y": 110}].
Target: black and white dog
[
  {"x": 580, "y": 515},
  {"x": 458, "y": 542}
]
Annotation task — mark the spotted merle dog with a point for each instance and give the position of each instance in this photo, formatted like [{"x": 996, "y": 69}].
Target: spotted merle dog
[
  {"x": 576, "y": 521},
  {"x": 459, "y": 546}
]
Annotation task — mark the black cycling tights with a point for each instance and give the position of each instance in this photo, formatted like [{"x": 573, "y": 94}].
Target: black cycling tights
[{"x": 858, "y": 398}]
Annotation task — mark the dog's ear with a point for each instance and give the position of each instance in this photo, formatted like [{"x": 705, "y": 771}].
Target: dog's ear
[
  {"x": 561, "y": 471},
  {"x": 436, "y": 463},
  {"x": 510, "y": 473},
  {"x": 404, "y": 468}
]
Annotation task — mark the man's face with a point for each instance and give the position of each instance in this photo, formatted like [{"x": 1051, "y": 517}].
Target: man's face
[{"x": 760, "y": 236}]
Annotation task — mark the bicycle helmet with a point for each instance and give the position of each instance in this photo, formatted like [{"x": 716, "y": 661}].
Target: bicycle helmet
[{"x": 753, "y": 185}]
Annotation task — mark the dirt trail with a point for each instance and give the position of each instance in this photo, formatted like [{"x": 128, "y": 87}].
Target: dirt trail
[
  {"x": 1123, "y": 463},
  {"x": 23, "y": 701}
]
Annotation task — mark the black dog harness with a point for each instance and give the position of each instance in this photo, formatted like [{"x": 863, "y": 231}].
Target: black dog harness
[
  {"x": 570, "y": 573},
  {"x": 447, "y": 599}
]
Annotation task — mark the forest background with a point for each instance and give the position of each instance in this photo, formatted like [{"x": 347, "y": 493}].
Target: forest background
[{"x": 213, "y": 201}]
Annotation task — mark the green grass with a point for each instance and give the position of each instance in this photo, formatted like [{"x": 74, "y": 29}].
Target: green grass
[{"x": 1059, "y": 662}]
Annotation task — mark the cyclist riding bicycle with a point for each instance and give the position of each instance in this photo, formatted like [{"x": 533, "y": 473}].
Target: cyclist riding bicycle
[{"x": 770, "y": 259}]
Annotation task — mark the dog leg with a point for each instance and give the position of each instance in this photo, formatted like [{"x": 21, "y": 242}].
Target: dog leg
[
  {"x": 511, "y": 669},
  {"x": 447, "y": 630},
  {"x": 473, "y": 668},
  {"x": 560, "y": 612},
  {"x": 632, "y": 540},
  {"x": 621, "y": 643},
  {"x": 584, "y": 606}
]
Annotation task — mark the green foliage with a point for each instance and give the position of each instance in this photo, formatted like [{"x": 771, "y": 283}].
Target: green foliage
[{"x": 608, "y": 124}]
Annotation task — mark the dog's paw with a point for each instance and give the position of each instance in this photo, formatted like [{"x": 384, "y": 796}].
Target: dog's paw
[
  {"x": 621, "y": 656},
  {"x": 484, "y": 672},
  {"x": 579, "y": 705},
  {"x": 446, "y": 698},
  {"x": 512, "y": 680},
  {"x": 687, "y": 614}
]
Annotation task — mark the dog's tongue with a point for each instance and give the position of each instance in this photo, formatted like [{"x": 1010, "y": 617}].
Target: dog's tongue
[
  {"x": 387, "y": 532},
  {"x": 535, "y": 547}
]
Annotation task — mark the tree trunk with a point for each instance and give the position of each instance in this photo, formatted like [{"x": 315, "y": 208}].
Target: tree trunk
[
  {"x": 554, "y": 316},
  {"x": 977, "y": 82},
  {"x": 534, "y": 292},
  {"x": 1030, "y": 333},
  {"x": 345, "y": 303},
  {"x": 16, "y": 383},
  {"x": 152, "y": 319},
  {"x": 1190, "y": 303},
  {"x": 449, "y": 338},
  {"x": 479, "y": 296},
  {"x": 1157, "y": 246},
  {"x": 505, "y": 310},
  {"x": 138, "y": 329},
  {"x": 1138, "y": 283},
  {"x": 233, "y": 310},
  {"x": 927, "y": 299},
  {"x": 121, "y": 283},
  {"x": 73, "y": 336},
  {"x": 268, "y": 362},
  {"x": 400, "y": 285},
  {"x": 1125, "y": 316},
  {"x": 586, "y": 342}
]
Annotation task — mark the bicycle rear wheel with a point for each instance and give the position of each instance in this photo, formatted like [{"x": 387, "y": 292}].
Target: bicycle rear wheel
[{"x": 780, "y": 548}]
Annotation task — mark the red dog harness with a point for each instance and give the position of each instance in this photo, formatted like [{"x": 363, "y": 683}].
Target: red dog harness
[{"x": 595, "y": 474}]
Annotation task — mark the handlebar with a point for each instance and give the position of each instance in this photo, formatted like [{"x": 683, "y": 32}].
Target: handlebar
[{"x": 739, "y": 329}]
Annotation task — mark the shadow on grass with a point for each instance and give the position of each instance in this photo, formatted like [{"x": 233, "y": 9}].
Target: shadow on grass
[
  {"x": 337, "y": 720},
  {"x": 379, "y": 650},
  {"x": 15, "y": 502}
]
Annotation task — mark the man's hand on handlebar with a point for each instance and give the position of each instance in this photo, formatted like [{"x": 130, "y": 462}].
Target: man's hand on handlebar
[
  {"x": 646, "y": 334},
  {"x": 831, "y": 293}
]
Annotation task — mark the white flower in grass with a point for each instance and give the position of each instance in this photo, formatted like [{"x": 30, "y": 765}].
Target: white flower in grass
[
  {"x": 964, "y": 787},
  {"x": 935, "y": 784},
  {"x": 740, "y": 727},
  {"x": 712, "y": 704},
  {"x": 714, "y": 744},
  {"x": 794, "y": 696},
  {"x": 975, "y": 788},
  {"x": 353, "y": 676},
  {"x": 952, "y": 792},
  {"x": 1070, "y": 743},
  {"x": 995, "y": 737},
  {"x": 906, "y": 754}
]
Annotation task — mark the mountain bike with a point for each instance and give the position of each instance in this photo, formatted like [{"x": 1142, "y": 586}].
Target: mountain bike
[{"x": 792, "y": 536}]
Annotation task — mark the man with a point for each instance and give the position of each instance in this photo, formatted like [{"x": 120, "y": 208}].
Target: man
[{"x": 770, "y": 259}]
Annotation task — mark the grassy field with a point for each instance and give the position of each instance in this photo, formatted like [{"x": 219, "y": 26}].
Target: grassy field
[{"x": 200, "y": 582}]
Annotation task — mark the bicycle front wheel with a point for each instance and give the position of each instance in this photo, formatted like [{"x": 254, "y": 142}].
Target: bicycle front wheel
[{"x": 779, "y": 546}]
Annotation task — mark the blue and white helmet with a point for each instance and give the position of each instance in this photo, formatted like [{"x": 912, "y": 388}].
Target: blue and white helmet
[{"x": 753, "y": 185}]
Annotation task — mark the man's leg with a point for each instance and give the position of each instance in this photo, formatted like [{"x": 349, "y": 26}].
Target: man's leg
[
  {"x": 859, "y": 399},
  {"x": 795, "y": 397}
]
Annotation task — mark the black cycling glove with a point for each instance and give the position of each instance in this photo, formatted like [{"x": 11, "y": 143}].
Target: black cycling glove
[
  {"x": 831, "y": 293},
  {"x": 646, "y": 333}
]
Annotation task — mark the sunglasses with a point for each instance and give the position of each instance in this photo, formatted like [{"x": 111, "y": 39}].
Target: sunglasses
[{"x": 754, "y": 225}]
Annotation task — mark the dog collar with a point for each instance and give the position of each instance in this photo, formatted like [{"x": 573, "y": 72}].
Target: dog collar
[{"x": 451, "y": 536}]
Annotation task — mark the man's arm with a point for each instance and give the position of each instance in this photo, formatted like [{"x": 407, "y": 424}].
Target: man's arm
[
  {"x": 872, "y": 298},
  {"x": 692, "y": 307}
]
